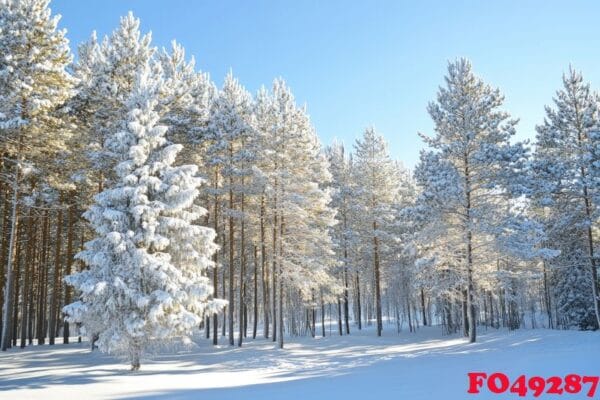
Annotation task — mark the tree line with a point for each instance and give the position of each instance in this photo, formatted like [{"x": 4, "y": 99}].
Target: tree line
[{"x": 140, "y": 201}]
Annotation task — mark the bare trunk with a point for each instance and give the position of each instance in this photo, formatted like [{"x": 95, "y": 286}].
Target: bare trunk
[
  {"x": 9, "y": 284},
  {"x": 231, "y": 269},
  {"x": 43, "y": 283},
  {"x": 265, "y": 275},
  {"x": 470, "y": 288},
  {"x": 280, "y": 254},
  {"x": 242, "y": 319},
  {"x": 547, "y": 301},
  {"x": 28, "y": 270},
  {"x": 274, "y": 278},
  {"x": 377, "y": 280},
  {"x": 52, "y": 324},
  {"x": 3, "y": 251},
  {"x": 255, "y": 296},
  {"x": 69, "y": 261},
  {"x": 280, "y": 326},
  {"x": 423, "y": 307},
  {"x": 216, "y": 260},
  {"x": 358, "y": 305},
  {"x": 339, "y": 310}
]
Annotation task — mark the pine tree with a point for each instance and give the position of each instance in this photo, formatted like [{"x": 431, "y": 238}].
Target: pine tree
[
  {"x": 566, "y": 172},
  {"x": 465, "y": 178},
  {"x": 146, "y": 278},
  {"x": 374, "y": 176},
  {"x": 107, "y": 72},
  {"x": 229, "y": 128}
]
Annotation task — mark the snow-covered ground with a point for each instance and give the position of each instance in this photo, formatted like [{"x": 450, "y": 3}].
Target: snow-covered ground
[{"x": 423, "y": 365}]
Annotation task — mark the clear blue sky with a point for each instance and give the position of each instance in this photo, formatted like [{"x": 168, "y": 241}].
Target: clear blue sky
[{"x": 372, "y": 62}]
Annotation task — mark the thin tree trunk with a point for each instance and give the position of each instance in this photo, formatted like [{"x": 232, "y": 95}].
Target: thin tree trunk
[
  {"x": 274, "y": 276},
  {"x": 17, "y": 284},
  {"x": 8, "y": 291},
  {"x": 339, "y": 309},
  {"x": 28, "y": 270},
  {"x": 231, "y": 269},
  {"x": 56, "y": 278},
  {"x": 255, "y": 296},
  {"x": 216, "y": 261},
  {"x": 377, "y": 280},
  {"x": 423, "y": 307},
  {"x": 547, "y": 300},
  {"x": 43, "y": 284},
  {"x": 3, "y": 251},
  {"x": 242, "y": 322},
  {"x": 280, "y": 326},
  {"x": 358, "y": 304},
  {"x": 265, "y": 277},
  {"x": 465, "y": 316},
  {"x": 470, "y": 288},
  {"x": 322, "y": 315},
  {"x": 69, "y": 261}
]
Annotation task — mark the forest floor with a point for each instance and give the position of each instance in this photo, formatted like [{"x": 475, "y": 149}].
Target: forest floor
[{"x": 421, "y": 365}]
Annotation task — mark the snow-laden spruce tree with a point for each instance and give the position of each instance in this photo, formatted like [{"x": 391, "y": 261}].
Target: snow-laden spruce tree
[
  {"x": 107, "y": 71},
  {"x": 567, "y": 186},
  {"x": 466, "y": 177},
  {"x": 146, "y": 277}
]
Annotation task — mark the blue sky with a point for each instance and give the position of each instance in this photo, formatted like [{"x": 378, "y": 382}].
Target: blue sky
[{"x": 365, "y": 63}]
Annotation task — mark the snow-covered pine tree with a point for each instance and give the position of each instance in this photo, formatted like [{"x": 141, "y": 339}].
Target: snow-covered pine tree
[
  {"x": 228, "y": 160},
  {"x": 107, "y": 72},
  {"x": 34, "y": 84},
  {"x": 568, "y": 189},
  {"x": 375, "y": 178},
  {"x": 470, "y": 171},
  {"x": 146, "y": 266},
  {"x": 341, "y": 233}
]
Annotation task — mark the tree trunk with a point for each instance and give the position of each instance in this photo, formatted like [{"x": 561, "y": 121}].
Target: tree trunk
[
  {"x": 56, "y": 278},
  {"x": 231, "y": 269},
  {"x": 274, "y": 277},
  {"x": 280, "y": 326},
  {"x": 465, "y": 316},
  {"x": 280, "y": 254},
  {"x": 470, "y": 288},
  {"x": 423, "y": 307},
  {"x": 322, "y": 315},
  {"x": 8, "y": 291},
  {"x": 17, "y": 283},
  {"x": 377, "y": 280},
  {"x": 242, "y": 319},
  {"x": 358, "y": 305},
  {"x": 43, "y": 284},
  {"x": 216, "y": 261},
  {"x": 547, "y": 301},
  {"x": 28, "y": 271},
  {"x": 69, "y": 261},
  {"x": 3, "y": 251},
  {"x": 255, "y": 296},
  {"x": 265, "y": 275},
  {"x": 339, "y": 309}
]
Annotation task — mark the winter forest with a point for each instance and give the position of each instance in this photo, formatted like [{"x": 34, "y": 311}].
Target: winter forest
[{"x": 143, "y": 203}]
